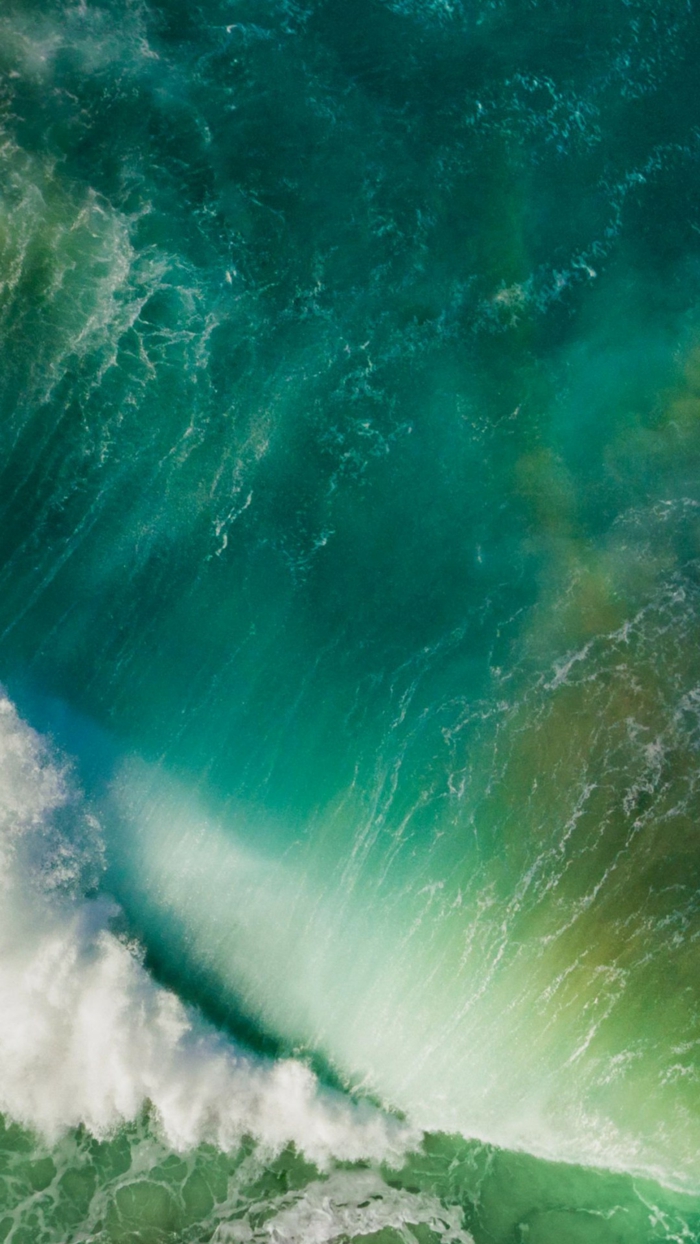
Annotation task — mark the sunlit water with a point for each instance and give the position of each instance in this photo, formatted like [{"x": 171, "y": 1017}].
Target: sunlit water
[{"x": 349, "y": 621}]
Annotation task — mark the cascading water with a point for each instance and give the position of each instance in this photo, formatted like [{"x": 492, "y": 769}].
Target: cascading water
[{"x": 349, "y": 616}]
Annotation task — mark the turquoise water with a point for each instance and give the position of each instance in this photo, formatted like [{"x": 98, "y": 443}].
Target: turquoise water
[{"x": 349, "y": 619}]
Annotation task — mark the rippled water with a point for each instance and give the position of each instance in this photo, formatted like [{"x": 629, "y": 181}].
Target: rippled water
[{"x": 349, "y": 619}]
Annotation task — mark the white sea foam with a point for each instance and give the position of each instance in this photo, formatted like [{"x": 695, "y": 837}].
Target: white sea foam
[
  {"x": 349, "y": 1203},
  {"x": 87, "y": 1036}
]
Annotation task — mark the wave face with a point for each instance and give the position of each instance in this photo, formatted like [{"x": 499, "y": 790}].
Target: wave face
[{"x": 349, "y": 621}]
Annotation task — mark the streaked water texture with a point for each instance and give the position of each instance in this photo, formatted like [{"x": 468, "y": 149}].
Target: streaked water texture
[{"x": 349, "y": 621}]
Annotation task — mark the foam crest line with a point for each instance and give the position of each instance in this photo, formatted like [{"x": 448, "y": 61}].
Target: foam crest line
[{"x": 87, "y": 1037}]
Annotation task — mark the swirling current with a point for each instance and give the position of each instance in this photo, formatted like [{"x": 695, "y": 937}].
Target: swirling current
[{"x": 349, "y": 621}]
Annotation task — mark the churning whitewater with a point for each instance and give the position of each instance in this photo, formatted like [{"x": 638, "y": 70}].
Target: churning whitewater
[
  {"x": 349, "y": 619},
  {"x": 87, "y": 1037}
]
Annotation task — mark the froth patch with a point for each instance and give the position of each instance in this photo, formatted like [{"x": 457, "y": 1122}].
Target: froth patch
[
  {"x": 349, "y": 1204},
  {"x": 87, "y": 1037}
]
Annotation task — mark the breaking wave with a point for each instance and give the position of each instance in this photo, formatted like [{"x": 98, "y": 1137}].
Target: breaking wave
[{"x": 86, "y": 1035}]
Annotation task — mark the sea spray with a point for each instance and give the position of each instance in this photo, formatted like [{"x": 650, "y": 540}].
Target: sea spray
[{"x": 552, "y": 915}]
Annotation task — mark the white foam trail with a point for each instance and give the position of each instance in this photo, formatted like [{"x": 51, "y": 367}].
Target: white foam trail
[
  {"x": 86, "y": 1035},
  {"x": 349, "y": 1204}
]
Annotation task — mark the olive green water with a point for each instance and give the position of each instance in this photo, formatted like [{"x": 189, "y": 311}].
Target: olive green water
[{"x": 350, "y": 586}]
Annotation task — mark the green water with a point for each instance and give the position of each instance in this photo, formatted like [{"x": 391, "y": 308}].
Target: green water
[
  {"x": 349, "y": 609},
  {"x": 131, "y": 1189}
]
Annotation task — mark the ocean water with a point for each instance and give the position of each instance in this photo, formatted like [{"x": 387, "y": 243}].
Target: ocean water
[{"x": 349, "y": 621}]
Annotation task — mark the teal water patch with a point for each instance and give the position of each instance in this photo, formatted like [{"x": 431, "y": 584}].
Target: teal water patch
[{"x": 350, "y": 427}]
